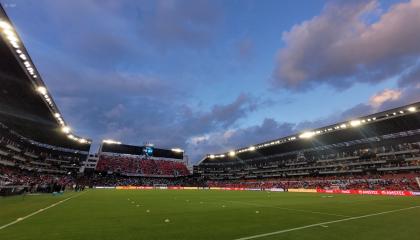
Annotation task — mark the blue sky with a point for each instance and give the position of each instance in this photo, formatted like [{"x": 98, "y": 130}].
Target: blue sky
[{"x": 209, "y": 76}]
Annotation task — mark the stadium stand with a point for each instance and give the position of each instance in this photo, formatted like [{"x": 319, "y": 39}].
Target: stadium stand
[
  {"x": 38, "y": 151},
  {"x": 379, "y": 151},
  {"x": 137, "y": 165}
]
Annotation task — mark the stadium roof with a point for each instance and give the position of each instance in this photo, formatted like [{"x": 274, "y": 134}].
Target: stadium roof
[
  {"x": 396, "y": 120},
  {"x": 26, "y": 106},
  {"x": 119, "y": 148}
]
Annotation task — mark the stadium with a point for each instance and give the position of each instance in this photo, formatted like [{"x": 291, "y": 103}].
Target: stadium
[{"x": 354, "y": 179}]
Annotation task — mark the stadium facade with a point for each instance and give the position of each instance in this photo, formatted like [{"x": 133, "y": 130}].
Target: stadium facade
[
  {"x": 37, "y": 147},
  {"x": 36, "y": 144},
  {"x": 140, "y": 161},
  {"x": 381, "y": 143}
]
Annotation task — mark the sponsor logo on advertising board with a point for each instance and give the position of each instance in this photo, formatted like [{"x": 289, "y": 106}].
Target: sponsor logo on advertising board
[
  {"x": 302, "y": 190},
  {"x": 368, "y": 192}
]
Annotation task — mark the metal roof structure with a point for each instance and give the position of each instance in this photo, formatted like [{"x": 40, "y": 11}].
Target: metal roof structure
[
  {"x": 26, "y": 106},
  {"x": 402, "y": 119}
]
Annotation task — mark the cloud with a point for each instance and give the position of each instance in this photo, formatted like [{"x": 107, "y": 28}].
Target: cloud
[
  {"x": 411, "y": 78},
  {"x": 344, "y": 45},
  {"x": 185, "y": 23},
  {"x": 386, "y": 95},
  {"x": 227, "y": 139}
]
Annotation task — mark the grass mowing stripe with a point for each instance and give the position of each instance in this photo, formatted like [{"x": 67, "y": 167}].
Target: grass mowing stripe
[
  {"x": 323, "y": 223},
  {"x": 36, "y": 212},
  {"x": 290, "y": 209}
]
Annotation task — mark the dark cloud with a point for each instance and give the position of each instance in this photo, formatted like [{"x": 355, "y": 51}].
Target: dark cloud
[
  {"x": 411, "y": 78},
  {"x": 269, "y": 129},
  {"x": 343, "y": 46},
  {"x": 114, "y": 34}
]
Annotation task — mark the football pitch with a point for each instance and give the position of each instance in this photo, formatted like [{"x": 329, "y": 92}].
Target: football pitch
[{"x": 207, "y": 214}]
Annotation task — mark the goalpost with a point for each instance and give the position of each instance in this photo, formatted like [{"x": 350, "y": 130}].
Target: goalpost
[{"x": 418, "y": 181}]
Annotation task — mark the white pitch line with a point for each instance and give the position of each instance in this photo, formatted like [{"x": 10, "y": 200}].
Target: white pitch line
[
  {"x": 322, "y": 223},
  {"x": 291, "y": 209},
  {"x": 36, "y": 212}
]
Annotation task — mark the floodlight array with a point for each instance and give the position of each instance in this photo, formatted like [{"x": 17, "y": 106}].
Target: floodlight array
[
  {"x": 177, "y": 150},
  {"x": 110, "y": 141},
  {"x": 311, "y": 134},
  {"x": 12, "y": 38}
]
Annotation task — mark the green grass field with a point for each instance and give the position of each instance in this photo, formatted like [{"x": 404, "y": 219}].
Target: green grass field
[{"x": 199, "y": 214}]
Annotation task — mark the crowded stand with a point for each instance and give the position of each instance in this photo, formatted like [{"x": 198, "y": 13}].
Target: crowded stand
[
  {"x": 34, "y": 167},
  {"x": 400, "y": 157},
  {"x": 114, "y": 180},
  {"x": 140, "y": 166},
  {"x": 32, "y": 181},
  {"x": 18, "y": 151},
  {"x": 407, "y": 182}
]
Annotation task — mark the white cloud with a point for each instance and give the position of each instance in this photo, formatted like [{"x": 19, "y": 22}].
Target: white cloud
[
  {"x": 386, "y": 95},
  {"x": 340, "y": 46}
]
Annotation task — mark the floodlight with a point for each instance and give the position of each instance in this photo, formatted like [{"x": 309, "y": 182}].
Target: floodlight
[
  {"x": 178, "y": 150},
  {"x": 252, "y": 148},
  {"x": 211, "y": 156},
  {"x": 355, "y": 123},
  {"x": 5, "y": 25},
  {"x": 232, "y": 153},
  {"x": 42, "y": 90},
  {"x": 411, "y": 109},
  {"x": 10, "y": 33},
  {"x": 57, "y": 115},
  {"x": 110, "y": 141},
  {"x": 66, "y": 129},
  {"x": 14, "y": 44},
  {"x": 12, "y": 38},
  {"x": 307, "y": 135}
]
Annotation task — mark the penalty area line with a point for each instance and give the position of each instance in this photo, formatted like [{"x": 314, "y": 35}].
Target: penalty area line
[
  {"x": 323, "y": 223},
  {"x": 39, "y": 211}
]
